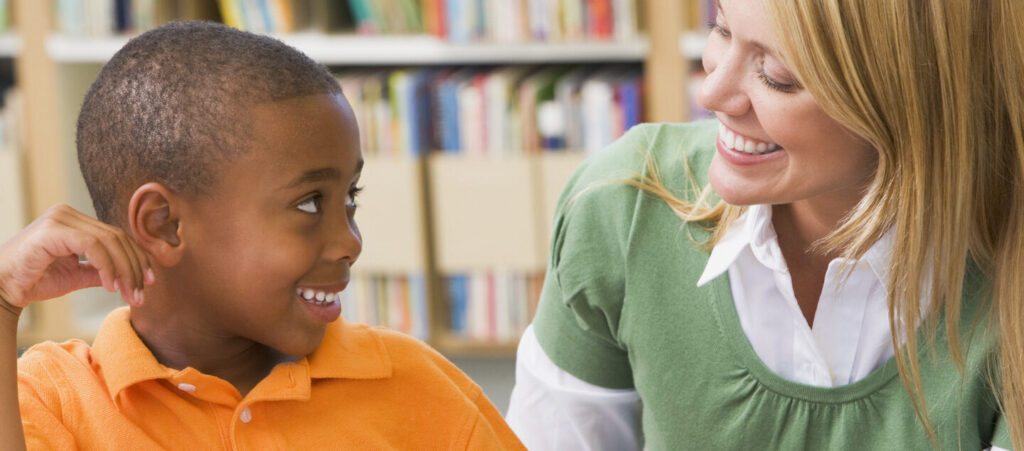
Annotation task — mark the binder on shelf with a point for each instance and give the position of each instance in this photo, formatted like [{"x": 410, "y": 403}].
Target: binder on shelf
[
  {"x": 484, "y": 212},
  {"x": 555, "y": 170},
  {"x": 12, "y": 193},
  {"x": 391, "y": 216},
  {"x": 13, "y": 206}
]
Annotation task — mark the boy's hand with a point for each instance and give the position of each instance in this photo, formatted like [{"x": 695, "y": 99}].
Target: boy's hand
[{"x": 42, "y": 261}]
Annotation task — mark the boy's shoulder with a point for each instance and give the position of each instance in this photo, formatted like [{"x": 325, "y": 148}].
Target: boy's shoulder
[
  {"x": 407, "y": 358},
  {"x": 51, "y": 360}
]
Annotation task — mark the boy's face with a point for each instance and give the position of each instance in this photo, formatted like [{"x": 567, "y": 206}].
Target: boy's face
[{"x": 278, "y": 222}]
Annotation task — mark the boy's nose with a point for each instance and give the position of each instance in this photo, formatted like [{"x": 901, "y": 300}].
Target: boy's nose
[
  {"x": 344, "y": 242},
  {"x": 722, "y": 89}
]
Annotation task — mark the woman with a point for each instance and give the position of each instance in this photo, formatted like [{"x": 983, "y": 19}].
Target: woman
[{"x": 862, "y": 188}]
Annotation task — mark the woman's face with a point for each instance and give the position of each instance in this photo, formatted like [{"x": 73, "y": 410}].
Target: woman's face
[{"x": 775, "y": 144}]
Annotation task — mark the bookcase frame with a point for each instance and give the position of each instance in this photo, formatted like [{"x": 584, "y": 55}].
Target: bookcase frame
[{"x": 45, "y": 62}]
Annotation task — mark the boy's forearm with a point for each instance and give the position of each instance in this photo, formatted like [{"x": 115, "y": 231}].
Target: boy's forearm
[{"x": 10, "y": 416}]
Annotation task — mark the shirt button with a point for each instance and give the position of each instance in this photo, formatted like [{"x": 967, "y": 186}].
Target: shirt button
[
  {"x": 186, "y": 387},
  {"x": 246, "y": 415}
]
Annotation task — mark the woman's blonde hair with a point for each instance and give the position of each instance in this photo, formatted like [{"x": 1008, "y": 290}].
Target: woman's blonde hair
[{"x": 937, "y": 87}]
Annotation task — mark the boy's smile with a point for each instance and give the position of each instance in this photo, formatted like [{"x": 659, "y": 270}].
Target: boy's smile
[{"x": 268, "y": 248}]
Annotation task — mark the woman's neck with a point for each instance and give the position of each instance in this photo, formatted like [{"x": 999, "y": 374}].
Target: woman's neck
[{"x": 799, "y": 226}]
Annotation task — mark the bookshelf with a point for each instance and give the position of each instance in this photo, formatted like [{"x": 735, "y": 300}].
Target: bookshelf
[{"x": 430, "y": 223}]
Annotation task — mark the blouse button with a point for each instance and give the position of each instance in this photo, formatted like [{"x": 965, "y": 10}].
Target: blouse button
[{"x": 246, "y": 415}]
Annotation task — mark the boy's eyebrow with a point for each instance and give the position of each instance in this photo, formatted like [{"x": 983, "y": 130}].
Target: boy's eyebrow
[{"x": 320, "y": 175}]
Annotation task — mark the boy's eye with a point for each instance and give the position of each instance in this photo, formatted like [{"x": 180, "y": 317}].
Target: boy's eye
[
  {"x": 352, "y": 194},
  {"x": 311, "y": 205}
]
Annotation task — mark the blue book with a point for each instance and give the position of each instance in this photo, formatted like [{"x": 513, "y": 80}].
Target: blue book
[
  {"x": 448, "y": 96},
  {"x": 269, "y": 21},
  {"x": 420, "y": 107},
  {"x": 458, "y": 29},
  {"x": 629, "y": 95},
  {"x": 123, "y": 15},
  {"x": 418, "y": 304},
  {"x": 458, "y": 299}
]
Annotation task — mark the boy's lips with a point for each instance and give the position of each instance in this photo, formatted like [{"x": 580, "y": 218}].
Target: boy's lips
[{"x": 323, "y": 301}]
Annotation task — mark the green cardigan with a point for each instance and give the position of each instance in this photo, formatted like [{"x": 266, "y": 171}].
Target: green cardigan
[{"x": 620, "y": 309}]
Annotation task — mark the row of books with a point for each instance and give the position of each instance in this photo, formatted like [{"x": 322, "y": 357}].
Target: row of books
[
  {"x": 485, "y": 306},
  {"x": 493, "y": 111},
  {"x": 492, "y": 306},
  {"x": 13, "y": 210},
  {"x": 109, "y": 17},
  {"x": 454, "y": 20},
  {"x": 531, "y": 20},
  {"x": 397, "y": 302}
]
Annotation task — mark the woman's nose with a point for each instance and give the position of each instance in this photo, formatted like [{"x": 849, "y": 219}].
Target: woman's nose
[{"x": 722, "y": 90}]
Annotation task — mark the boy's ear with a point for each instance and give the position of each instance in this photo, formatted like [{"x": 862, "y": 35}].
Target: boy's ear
[{"x": 153, "y": 216}]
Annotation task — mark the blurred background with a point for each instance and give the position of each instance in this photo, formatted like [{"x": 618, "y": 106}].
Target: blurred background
[{"x": 473, "y": 114}]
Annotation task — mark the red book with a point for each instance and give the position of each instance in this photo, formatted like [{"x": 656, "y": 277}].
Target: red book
[
  {"x": 434, "y": 17},
  {"x": 600, "y": 20}
]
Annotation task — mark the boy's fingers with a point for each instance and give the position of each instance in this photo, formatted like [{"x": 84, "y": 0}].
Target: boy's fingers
[
  {"x": 135, "y": 276},
  {"x": 138, "y": 257},
  {"x": 141, "y": 260},
  {"x": 122, "y": 255},
  {"x": 97, "y": 256}
]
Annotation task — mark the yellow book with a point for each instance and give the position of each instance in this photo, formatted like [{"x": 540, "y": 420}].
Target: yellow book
[{"x": 231, "y": 11}]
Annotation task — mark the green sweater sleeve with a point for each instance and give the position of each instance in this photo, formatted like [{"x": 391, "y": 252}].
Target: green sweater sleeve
[
  {"x": 581, "y": 302},
  {"x": 579, "y": 320}
]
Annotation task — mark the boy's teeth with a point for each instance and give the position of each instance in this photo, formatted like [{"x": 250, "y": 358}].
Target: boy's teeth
[
  {"x": 743, "y": 144},
  {"x": 317, "y": 297}
]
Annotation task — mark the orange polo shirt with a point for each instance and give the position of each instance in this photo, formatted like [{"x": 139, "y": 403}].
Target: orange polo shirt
[{"x": 363, "y": 388}]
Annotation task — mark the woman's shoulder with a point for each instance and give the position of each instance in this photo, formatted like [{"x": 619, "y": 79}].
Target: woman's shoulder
[{"x": 608, "y": 182}]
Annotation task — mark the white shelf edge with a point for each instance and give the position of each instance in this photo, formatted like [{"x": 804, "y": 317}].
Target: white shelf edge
[
  {"x": 10, "y": 44},
  {"x": 691, "y": 44},
  {"x": 389, "y": 50}
]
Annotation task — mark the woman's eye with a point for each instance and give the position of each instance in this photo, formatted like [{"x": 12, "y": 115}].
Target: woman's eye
[
  {"x": 716, "y": 28},
  {"x": 775, "y": 85},
  {"x": 311, "y": 205}
]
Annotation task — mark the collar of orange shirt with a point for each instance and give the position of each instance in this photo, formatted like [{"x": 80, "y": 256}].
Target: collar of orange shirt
[{"x": 347, "y": 352}]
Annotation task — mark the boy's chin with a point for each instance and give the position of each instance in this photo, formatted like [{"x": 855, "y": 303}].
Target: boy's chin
[{"x": 297, "y": 349}]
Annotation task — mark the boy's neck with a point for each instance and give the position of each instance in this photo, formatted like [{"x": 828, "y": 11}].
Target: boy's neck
[{"x": 179, "y": 341}]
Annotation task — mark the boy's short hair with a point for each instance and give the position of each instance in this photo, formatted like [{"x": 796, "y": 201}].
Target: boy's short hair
[{"x": 170, "y": 107}]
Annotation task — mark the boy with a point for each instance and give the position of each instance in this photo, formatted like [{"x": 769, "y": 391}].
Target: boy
[{"x": 224, "y": 167}]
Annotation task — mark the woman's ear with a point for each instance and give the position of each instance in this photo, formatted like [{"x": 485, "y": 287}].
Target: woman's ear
[{"x": 153, "y": 216}]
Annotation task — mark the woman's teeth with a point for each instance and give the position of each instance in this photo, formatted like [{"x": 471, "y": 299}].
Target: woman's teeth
[
  {"x": 317, "y": 297},
  {"x": 743, "y": 144}
]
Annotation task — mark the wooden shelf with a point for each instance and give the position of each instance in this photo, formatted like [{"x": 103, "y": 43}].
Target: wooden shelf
[
  {"x": 389, "y": 50},
  {"x": 451, "y": 345}
]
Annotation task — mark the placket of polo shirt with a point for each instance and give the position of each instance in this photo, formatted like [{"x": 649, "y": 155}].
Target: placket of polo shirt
[{"x": 286, "y": 382}]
